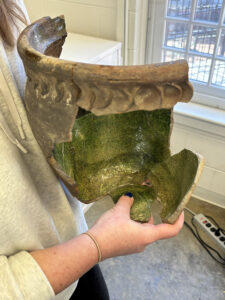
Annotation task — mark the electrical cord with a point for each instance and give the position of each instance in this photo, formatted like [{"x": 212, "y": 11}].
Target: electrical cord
[
  {"x": 190, "y": 211},
  {"x": 206, "y": 243},
  {"x": 202, "y": 242},
  {"x": 206, "y": 246}
]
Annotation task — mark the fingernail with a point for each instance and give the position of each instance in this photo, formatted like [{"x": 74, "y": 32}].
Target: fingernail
[{"x": 129, "y": 194}]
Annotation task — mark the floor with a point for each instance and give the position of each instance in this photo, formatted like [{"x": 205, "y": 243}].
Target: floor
[{"x": 173, "y": 269}]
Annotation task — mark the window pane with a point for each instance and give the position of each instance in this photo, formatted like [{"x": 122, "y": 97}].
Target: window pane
[
  {"x": 208, "y": 10},
  {"x": 172, "y": 55},
  {"x": 199, "y": 68},
  {"x": 203, "y": 39},
  {"x": 176, "y": 34},
  {"x": 221, "y": 47},
  {"x": 219, "y": 73},
  {"x": 179, "y": 8}
]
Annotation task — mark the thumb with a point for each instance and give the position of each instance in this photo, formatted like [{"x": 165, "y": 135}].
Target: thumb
[
  {"x": 163, "y": 231},
  {"x": 124, "y": 203}
]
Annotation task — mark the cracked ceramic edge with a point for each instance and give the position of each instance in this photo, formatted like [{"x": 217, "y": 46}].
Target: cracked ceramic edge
[
  {"x": 146, "y": 87},
  {"x": 181, "y": 206},
  {"x": 56, "y": 88},
  {"x": 69, "y": 182}
]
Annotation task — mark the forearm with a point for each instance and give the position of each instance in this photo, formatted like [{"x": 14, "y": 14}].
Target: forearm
[
  {"x": 65, "y": 263},
  {"x": 116, "y": 234}
]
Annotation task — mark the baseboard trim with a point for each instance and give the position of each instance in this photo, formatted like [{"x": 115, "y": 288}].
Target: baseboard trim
[{"x": 209, "y": 196}]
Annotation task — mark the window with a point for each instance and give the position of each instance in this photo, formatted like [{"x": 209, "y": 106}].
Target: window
[{"x": 193, "y": 30}]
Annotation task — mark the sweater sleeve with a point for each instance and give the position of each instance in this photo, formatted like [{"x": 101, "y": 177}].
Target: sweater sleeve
[{"x": 21, "y": 278}]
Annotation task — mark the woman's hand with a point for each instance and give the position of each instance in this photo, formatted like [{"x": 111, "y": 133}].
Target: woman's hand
[{"x": 118, "y": 235}]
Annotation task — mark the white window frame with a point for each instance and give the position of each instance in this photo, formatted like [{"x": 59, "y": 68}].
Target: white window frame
[{"x": 210, "y": 96}]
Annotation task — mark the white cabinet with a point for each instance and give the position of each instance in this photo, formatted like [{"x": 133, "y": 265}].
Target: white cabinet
[{"x": 87, "y": 49}]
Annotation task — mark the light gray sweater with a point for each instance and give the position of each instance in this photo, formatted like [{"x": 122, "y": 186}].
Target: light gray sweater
[{"x": 35, "y": 212}]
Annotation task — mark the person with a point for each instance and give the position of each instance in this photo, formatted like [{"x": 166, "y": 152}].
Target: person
[{"x": 43, "y": 251}]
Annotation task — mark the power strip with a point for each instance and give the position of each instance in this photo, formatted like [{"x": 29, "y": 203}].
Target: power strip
[{"x": 213, "y": 232}]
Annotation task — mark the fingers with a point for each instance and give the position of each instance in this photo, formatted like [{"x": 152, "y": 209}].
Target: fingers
[
  {"x": 164, "y": 231},
  {"x": 124, "y": 203}
]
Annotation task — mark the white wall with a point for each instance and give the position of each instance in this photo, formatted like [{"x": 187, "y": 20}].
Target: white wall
[
  {"x": 207, "y": 139},
  {"x": 90, "y": 17}
]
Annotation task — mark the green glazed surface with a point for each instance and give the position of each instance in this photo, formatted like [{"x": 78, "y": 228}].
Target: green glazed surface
[
  {"x": 115, "y": 154},
  {"x": 172, "y": 179}
]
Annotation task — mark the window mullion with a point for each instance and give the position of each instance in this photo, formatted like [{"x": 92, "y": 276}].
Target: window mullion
[
  {"x": 217, "y": 44},
  {"x": 195, "y": 22},
  {"x": 190, "y": 27},
  {"x": 194, "y": 53},
  {"x": 164, "y": 28}
]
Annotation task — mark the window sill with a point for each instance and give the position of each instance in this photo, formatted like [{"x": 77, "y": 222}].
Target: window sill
[{"x": 208, "y": 119}]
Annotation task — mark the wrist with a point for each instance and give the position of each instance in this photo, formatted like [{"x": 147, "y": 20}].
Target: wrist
[
  {"x": 105, "y": 242},
  {"x": 90, "y": 235},
  {"x": 92, "y": 248}
]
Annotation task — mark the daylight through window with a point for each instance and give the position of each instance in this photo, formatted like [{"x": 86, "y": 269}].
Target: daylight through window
[{"x": 195, "y": 30}]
